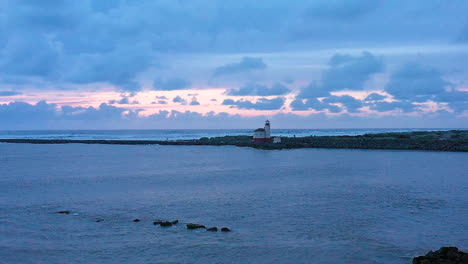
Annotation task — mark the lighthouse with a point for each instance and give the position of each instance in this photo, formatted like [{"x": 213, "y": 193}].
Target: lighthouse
[{"x": 262, "y": 135}]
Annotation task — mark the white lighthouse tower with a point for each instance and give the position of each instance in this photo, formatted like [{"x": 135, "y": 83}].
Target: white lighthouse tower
[{"x": 267, "y": 129}]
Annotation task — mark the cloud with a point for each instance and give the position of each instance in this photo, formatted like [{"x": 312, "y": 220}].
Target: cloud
[
  {"x": 405, "y": 106},
  {"x": 416, "y": 82},
  {"x": 161, "y": 97},
  {"x": 9, "y": 93},
  {"x": 159, "y": 102},
  {"x": 352, "y": 104},
  {"x": 171, "y": 84},
  {"x": 261, "y": 104},
  {"x": 247, "y": 64},
  {"x": 253, "y": 89},
  {"x": 302, "y": 105},
  {"x": 350, "y": 72},
  {"x": 337, "y": 10},
  {"x": 375, "y": 97},
  {"x": 179, "y": 99},
  {"x": 124, "y": 100},
  {"x": 194, "y": 101},
  {"x": 48, "y": 116},
  {"x": 119, "y": 67},
  {"x": 463, "y": 36},
  {"x": 314, "y": 90},
  {"x": 344, "y": 72},
  {"x": 457, "y": 100},
  {"x": 21, "y": 115}
]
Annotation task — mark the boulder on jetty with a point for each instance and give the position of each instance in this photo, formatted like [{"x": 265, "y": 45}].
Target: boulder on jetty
[
  {"x": 136, "y": 220},
  {"x": 212, "y": 229},
  {"x": 445, "y": 255},
  {"x": 194, "y": 226},
  {"x": 225, "y": 229},
  {"x": 64, "y": 212}
]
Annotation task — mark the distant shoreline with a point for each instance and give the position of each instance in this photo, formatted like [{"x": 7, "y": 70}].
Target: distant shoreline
[{"x": 452, "y": 140}]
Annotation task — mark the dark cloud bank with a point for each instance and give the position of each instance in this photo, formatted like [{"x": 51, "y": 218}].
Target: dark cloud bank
[
  {"x": 87, "y": 41},
  {"x": 19, "y": 115}
]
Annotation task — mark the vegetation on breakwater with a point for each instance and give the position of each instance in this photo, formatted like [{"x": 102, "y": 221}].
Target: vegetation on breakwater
[{"x": 453, "y": 140}]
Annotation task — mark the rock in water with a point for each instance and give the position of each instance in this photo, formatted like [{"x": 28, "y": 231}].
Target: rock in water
[
  {"x": 225, "y": 229},
  {"x": 445, "y": 255},
  {"x": 166, "y": 223},
  {"x": 64, "y": 212},
  {"x": 212, "y": 229},
  {"x": 99, "y": 220},
  {"x": 194, "y": 226},
  {"x": 136, "y": 220},
  {"x": 175, "y": 222},
  {"x": 158, "y": 222}
]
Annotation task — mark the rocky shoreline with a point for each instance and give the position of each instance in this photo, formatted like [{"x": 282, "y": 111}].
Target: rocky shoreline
[
  {"x": 445, "y": 255},
  {"x": 453, "y": 140}
]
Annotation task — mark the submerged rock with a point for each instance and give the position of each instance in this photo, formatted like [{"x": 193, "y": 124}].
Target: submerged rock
[
  {"x": 212, "y": 229},
  {"x": 225, "y": 229},
  {"x": 445, "y": 255},
  {"x": 64, "y": 212},
  {"x": 194, "y": 226},
  {"x": 99, "y": 220},
  {"x": 136, "y": 220}
]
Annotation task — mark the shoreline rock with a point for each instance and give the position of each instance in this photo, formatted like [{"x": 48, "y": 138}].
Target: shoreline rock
[{"x": 445, "y": 255}]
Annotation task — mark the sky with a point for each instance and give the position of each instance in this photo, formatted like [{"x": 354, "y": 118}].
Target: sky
[{"x": 163, "y": 64}]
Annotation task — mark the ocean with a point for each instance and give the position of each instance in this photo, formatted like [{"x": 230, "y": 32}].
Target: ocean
[
  {"x": 181, "y": 134},
  {"x": 283, "y": 206}
]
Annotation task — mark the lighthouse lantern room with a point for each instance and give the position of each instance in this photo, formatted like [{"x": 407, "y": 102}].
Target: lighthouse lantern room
[{"x": 262, "y": 135}]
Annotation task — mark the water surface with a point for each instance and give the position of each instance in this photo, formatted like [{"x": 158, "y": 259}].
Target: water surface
[{"x": 288, "y": 206}]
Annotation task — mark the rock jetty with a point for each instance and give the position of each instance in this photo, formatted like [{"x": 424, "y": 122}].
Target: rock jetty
[
  {"x": 453, "y": 140},
  {"x": 445, "y": 255}
]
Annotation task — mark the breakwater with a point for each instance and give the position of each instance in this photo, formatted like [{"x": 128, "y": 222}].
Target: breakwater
[{"x": 453, "y": 140}]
